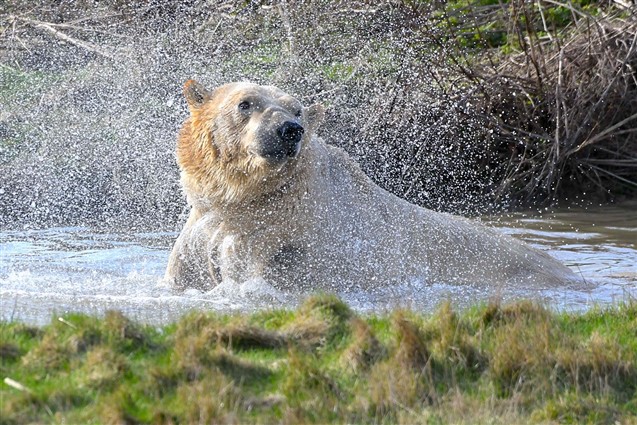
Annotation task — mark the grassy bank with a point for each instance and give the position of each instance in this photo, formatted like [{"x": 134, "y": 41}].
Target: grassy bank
[{"x": 323, "y": 363}]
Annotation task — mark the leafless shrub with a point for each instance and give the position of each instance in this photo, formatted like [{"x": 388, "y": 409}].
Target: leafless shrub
[{"x": 563, "y": 107}]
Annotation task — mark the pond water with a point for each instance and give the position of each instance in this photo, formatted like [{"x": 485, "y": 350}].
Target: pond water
[{"x": 48, "y": 272}]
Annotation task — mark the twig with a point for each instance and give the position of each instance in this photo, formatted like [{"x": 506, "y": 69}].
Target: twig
[
  {"x": 66, "y": 322},
  {"x": 602, "y": 135},
  {"x": 613, "y": 162},
  {"x": 18, "y": 386},
  {"x": 546, "y": 28},
  {"x": 558, "y": 103},
  {"x": 285, "y": 20},
  {"x": 65, "y": 37},
  {"x": 614, "y": 175}
]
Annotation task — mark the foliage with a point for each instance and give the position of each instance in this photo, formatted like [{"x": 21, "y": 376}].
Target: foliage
[
  {"x": 558, "y": 93},
  {"x": 323, "y": 364}
]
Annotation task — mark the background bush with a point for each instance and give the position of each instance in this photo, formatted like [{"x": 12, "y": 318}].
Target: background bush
[{"x": 458, "y": 106}]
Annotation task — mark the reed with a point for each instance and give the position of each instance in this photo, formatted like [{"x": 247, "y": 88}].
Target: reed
[{"x": 560, "y": 99}]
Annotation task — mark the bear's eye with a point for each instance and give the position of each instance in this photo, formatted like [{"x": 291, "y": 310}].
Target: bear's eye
[
  {"x": 244, "y": 106},
  {"x": 298, "y": 113}
]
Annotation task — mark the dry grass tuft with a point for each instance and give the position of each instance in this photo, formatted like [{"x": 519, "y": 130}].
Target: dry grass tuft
[
  {"x": 327, "y": 305},
  {"x": 197, "y": 324},
  {"x": 195, "y": 354},
  {"x": 404, "y": 380},
  {"x": 195, "y": 336},
  {"x": 321, "y": 320},
  {"x": 239, "y": 370},
  {"x": 365, "y": 350},
  {"x": 496, "y": 314},
  {"x": 123, "y": 331},
  {"x": 104, "y": 367},
  {"x": 455, "y": 346},
  {"x": 308, "y": 332},
  {"x": 393, "y": 389},
  {"x": 573, "y": 407},
  {"x": 518, "y": 359},
  {"x": 79, "y": 342},
  {"x": 60, "y": 342},
  {"x": 235, "y": 334},
  {"x": 163, "y": 379},
  {"x": 247, "y": 337},
  {"x": 230, "y": 333},
  {"x": 27, "y": 331},
  {"x": 310, "y": 388},
  {"x": 118, "y": 408},
  {"x": 17, "y": 409},
  {"x": 532, "y": 353},
  {"x": 600, "y": 365},
  {"x": 50, "y": 353},
  {"x": 411, "y": 350},
  {"x": 64, "y": 398}
]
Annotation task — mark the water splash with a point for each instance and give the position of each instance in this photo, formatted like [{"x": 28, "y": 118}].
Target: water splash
[
  {"x": 53, "y": 271},
  {"x": 91, "y": 103}
]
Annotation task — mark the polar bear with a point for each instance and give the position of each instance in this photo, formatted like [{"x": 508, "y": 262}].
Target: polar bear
[{"x": 270, "y": 200}]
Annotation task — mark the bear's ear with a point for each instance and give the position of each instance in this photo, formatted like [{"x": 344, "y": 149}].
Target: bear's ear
[
  {"x": 315, "y": 115},
  {"x": 196, "y": 94}
]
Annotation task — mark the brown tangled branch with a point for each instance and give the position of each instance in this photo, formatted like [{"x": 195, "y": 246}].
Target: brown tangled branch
[{"x": 51, "y": 28}]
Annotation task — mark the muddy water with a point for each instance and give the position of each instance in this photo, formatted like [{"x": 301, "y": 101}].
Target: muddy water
[
  {"x": 49, "y": 272},
  {"x": 599, "y": 244}
]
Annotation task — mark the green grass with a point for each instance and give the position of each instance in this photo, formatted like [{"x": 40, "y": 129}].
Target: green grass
[
  {"x": 17, "y": 89},
  {"x": 323, "y": 363},
  {"x": 18, "y": 86},
  {"x": 489, "y": 23}
]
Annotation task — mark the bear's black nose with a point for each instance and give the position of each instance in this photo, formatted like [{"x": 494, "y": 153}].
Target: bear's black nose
[
  {"x": 285, "y": 143},
  {"x": 290, "y": 133}
]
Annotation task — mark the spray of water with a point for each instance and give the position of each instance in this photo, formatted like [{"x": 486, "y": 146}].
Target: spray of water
[{"x": 91, "y": 102}]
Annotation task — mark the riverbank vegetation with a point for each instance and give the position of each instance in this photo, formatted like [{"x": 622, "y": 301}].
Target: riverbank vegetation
[
  {"x": 323, "y": 363},
  {"x": 462, "y": 106}
]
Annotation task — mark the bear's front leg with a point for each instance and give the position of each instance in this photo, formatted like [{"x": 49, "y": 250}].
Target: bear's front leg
[
  {"x": 240, "y": 258},
  {"x": 192, "y": 263}
]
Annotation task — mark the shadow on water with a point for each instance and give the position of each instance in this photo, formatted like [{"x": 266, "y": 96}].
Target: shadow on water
[{"x": 52, "y": 271}]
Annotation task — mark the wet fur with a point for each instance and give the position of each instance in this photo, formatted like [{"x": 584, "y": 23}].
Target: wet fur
[{"x": 316, "y": 221}]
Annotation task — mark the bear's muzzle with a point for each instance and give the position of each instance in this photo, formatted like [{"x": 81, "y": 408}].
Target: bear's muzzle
[{"x": 286, "y": 144}]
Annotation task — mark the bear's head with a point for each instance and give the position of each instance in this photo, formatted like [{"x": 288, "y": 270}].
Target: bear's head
[{"x": 241, "y": 141}]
